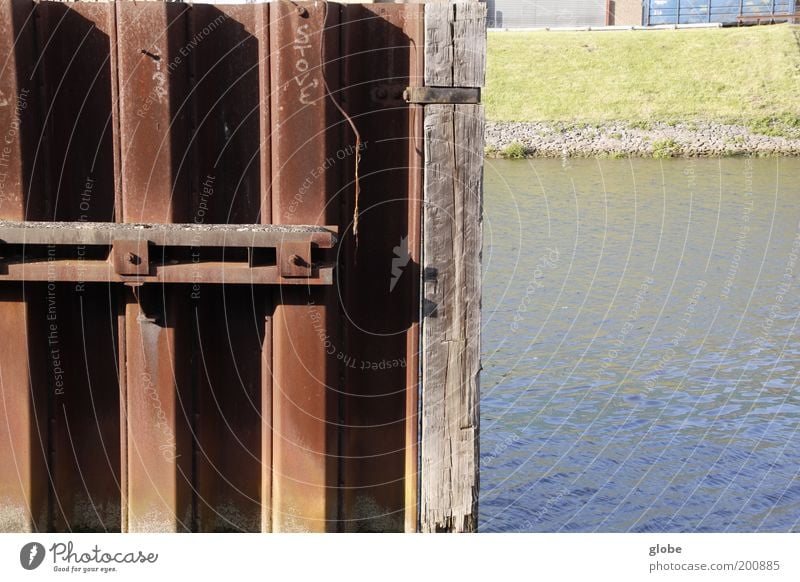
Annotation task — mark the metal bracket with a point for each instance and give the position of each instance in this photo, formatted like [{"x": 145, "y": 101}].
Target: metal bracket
[
  {"x": 252, "y": 254},
  {"x": 295, "y": 259},
  {"x": 443, "y": 95},
  {"x": 388, "y": 95},
  {"x": 131, "y": 257}
]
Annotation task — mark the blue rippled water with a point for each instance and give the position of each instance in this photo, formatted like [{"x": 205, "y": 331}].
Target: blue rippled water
[{"x": 640, "y": 346}]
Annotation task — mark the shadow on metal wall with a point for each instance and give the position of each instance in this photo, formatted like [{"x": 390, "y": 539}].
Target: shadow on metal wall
[{"x": 191, "y": 405}]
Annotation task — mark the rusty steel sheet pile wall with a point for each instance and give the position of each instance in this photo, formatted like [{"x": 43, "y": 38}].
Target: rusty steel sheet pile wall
[{"x": 195, "y": 385}]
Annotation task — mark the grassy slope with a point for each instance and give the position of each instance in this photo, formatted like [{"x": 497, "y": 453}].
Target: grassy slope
[{"x": 738, "y": 75}]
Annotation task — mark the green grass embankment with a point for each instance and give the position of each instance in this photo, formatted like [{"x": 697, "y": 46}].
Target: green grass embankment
[{"x": 745, "y": 76}]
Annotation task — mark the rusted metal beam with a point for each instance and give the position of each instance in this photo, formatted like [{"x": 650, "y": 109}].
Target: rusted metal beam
[
  {"x": 154, "y": 140},
  {"x": 24, "y": 484},
  {"x": 232, "y": 323},
  {"x": 378, "y": 282},
  {"x": 24, "y": 481},
  {"x": 158, "y": 359},
  {"x": 232, "y": 329},
  {"x": 306, "y": 135},
  {"x": 58, "y": 143},
  {"x": 211, "y": 272},
  {"x": 416, "y": 149},
  {"x": 165, "y": 235},
  {"x": 150, "y": 253},
  {"x": 265, "y": 215},
  {"x": 76, "y": 48}
]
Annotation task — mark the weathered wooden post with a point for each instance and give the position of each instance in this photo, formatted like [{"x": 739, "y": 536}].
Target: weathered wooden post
[{"x": 455, "y": 49}]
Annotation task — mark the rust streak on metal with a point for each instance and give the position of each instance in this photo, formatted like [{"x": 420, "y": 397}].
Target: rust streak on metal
[
  {"x": 264, "y": 192},
  {"x": 210, "y": 272},
  {"x": 416, "y": 164},
  {"x": 304, "y": 136},
  {"x": 76, "y": 67},
  {"x": 378, "y": 286},
  {"x": 24, "y": 480},
  {"x": 197, "y": 235},
  {"x": 122, "y": 379},
  {"x": 230, "y": 321},
  {"x": 154, "y": 137}
]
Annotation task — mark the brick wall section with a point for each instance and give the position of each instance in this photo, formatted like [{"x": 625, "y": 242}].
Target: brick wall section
[{"x": 626, "y": 12}]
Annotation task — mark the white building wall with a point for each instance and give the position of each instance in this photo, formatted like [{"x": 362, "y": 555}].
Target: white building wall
[{"x": 546, "y": 13}]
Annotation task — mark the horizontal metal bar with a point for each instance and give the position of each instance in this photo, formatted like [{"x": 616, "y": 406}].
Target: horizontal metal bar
[
  {"x": 442, "y": 95},
  {"x": 165, "y": 235},
  {"x": 151, "y": 253},
  {"x": 229, "y": 273}
]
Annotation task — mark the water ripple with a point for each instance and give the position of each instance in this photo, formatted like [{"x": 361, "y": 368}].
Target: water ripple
[{"x": 647, "y": 380}]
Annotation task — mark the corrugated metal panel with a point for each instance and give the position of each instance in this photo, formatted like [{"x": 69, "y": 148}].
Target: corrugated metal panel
[
  {"x": 725, "y": 11},
  {"x": 189, "y": 407},
  {"x": 545, "y": 13}
]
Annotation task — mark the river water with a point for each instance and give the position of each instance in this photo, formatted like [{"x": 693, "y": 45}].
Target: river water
[{"x": 640, "y": 346}]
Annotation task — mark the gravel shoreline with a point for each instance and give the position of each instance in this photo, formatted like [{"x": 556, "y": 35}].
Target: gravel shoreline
[{"x": 660, "y": 140}]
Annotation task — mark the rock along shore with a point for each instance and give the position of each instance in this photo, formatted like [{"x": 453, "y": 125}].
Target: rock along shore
[{"x": 618, "y": 139}]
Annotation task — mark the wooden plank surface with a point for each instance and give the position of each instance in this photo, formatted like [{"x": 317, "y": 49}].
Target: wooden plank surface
[
  {"x": 451, "y": 272},
  {"x": 438, "y": 45}
]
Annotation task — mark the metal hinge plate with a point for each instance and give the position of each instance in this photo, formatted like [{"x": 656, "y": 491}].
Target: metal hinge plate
[{"x": 442, "y": 95}]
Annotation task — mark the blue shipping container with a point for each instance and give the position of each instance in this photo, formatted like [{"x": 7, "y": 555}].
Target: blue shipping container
[{"x": 725, "y": 11}]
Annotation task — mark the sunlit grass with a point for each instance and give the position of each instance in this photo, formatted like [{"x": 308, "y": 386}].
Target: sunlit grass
[{"x": 746, "y": 75}]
